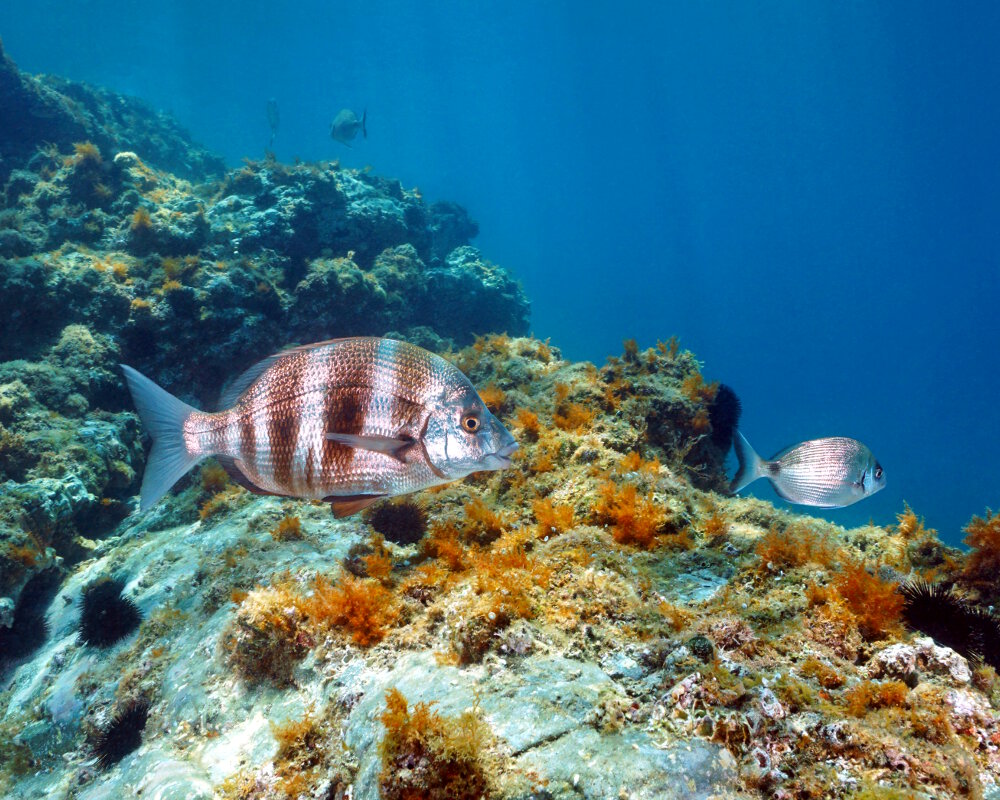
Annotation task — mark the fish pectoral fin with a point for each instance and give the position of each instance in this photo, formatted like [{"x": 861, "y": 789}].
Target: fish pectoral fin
[
  {"x": 388, "y": 445},
  {"x": 234, "y": 468},
  {"x": 348, "y": 504}
]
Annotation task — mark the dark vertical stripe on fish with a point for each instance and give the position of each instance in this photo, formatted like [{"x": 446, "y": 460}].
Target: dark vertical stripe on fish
[
  {"x": 283, "y": 423},
  {"x": 309, "y": 468},
  {"x": 248, "y": 437}
]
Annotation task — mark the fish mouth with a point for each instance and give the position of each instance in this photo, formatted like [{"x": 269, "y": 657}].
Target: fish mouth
[{"x": 501, "y": 458}]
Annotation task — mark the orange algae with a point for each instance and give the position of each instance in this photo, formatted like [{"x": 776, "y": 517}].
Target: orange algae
[
  {"x": 876, "y": 603},
  {"x": 86, "y": 151},
  {"x": 870, "y": 695},
  {"x": 529, "y": 424},
  {"x": 141, "y": 219},
  {"x": 634, "y": 519},
  {"x": 715, "y": 527},
  {"x": 982, "y": 564},
  {"x": 493, "y": 396},
  {"x": 700, "y": 422},
  {"x": 910, "y": 526},
  {"x": 25, "y": 555},
  {"x": 361, "y": 606},
  {"x": 483, "y": 524},
  {"x": 429, "y": 757},
  {"x": 443, "y": 542},
  {"x": 378, "y": 563},
  {"x": 573, "y": 417},
  {"x": 214, "y": 478},
  {"x": 171, "y": 267},
  {"x": 287, "y": 529},
  {"x": 506, "y": 574},
  {"x": 222, "y": 501},
  {"x": 552, "y": 519},
  {"x": 267, "y": 638},
  {"x": 696, "y": 390},
  {"x": 545, "y": 457},
  {"x": 826, "y": 676},
  {"x": 670, "y": 348},
  {"x": 301, "y": 752},
  {"x": 793, "y": 547},
  {"x": 633, "y": 462}
]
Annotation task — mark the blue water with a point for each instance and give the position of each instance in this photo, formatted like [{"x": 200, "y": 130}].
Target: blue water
[{"x": 805, "y": 193}]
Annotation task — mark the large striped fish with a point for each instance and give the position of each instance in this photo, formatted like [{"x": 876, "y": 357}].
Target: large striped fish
[
  {"x": 826, "y": 473},
  {"x": 348, "y": 421}
]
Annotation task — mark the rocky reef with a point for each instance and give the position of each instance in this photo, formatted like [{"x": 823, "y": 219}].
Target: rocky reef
[
  {"x": 599, "y": 620},
  {"x": 109, "y": 257},
  {"x": 46, "y": 110}
]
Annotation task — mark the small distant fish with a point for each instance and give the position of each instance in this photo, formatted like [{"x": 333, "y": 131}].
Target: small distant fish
[
  {"x": 348, "y": 421},
  {"x": 346, "y": 125},
  {"x": 826, "y": 473},
  {"x": 273, "y": 119}
]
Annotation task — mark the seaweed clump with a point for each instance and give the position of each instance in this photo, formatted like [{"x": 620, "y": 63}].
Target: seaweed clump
[
  {"x": 982, "y": 565},
  {"x": 268, "y": 638},
  {"x": 427, "y": 756},
  {"x": 363, "y": 607}
]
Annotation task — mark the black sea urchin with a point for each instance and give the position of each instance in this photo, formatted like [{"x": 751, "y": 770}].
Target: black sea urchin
[
  {"x": 724, "y": 415},
  {"x": 30, "y": 628},
  {"x": 952, "y": 621},
  {"x": 402, "y": 521},
  {"x": 105, "y": 616},
  {"x": 124, "y": 734}
]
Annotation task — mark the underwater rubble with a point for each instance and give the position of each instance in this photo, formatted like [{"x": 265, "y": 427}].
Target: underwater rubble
[{"x": 600, "y": 620}]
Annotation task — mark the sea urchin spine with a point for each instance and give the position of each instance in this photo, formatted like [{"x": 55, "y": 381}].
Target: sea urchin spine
[
  {"x": 952, "y": 621},
  {"x": 124, "y": 734},
  {"x": 105, "y": 616}
]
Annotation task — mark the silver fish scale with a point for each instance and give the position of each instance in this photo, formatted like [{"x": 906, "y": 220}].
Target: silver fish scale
[{"x": 821, "y": 472}]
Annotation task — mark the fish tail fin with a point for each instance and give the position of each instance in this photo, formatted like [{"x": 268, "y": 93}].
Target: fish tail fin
[
  {"x": 751, "y": 465},
  {"x": 364, "y": 118},
  {"x": 163, "y": 416}
]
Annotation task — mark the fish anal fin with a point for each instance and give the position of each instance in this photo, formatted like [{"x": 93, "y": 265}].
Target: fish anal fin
[
  {"x": 236, "y": 474},
  {"x": 348, "y": 504},
  {"x": 388, "y": 445}
]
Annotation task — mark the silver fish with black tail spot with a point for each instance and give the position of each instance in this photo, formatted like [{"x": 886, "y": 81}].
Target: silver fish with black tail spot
[
  {"x": 348, "y": 421},
  {"x": 825, "y": 473},
  {"x": 346, "y": 125}
]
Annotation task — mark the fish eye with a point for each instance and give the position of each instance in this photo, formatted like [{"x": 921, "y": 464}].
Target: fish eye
[
  {"x": 471, "y": 423},
  {"x": 878, "y": 472}
]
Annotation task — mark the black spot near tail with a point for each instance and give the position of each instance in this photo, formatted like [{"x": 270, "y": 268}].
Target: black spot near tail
[{"x": 724, "y": 414}]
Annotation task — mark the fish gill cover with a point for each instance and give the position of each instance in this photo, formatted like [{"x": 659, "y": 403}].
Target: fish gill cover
[{"x": 600, "y": 619}]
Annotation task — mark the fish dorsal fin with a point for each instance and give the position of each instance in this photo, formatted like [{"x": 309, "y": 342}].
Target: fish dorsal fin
[
  {"x": 348, "y": 504},
  {"x": 234, "y": 469},
  {"x": 388, "y": 445},
  {"x": 236, "y": 389}
]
